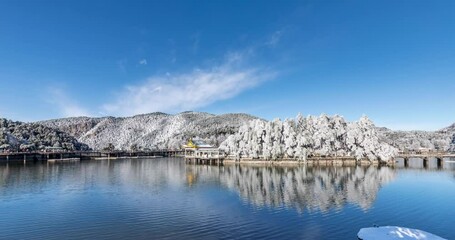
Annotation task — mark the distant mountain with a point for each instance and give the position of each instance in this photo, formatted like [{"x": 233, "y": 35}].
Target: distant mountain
[
  {"x": 442, "y": 140},
  {"x": 154, "y": 130},
  {"x": 34, "y": 136},
  {"x": 449, "y": 129},
  {"x": 76, "y": 126},
  {"x": 161, "y": 130}
]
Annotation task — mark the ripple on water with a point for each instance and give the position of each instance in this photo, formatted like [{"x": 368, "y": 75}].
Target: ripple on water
[{"x": 166, "y": 199}]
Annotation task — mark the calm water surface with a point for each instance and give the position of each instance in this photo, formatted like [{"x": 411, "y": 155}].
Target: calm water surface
[{"x": 167, "y": 199}]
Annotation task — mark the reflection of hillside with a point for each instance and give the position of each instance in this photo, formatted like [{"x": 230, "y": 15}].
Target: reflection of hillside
[
  {"x": 302, "y": 187},
  {"x": 149, "y": 174}
]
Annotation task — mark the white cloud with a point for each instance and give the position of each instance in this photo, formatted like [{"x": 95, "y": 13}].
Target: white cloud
[
  {"x": 188, "y": 91},
  {"x": 143, "y": 62},
  {"x": 66, "y": 106},
  {"x": 274, "y": 39}
]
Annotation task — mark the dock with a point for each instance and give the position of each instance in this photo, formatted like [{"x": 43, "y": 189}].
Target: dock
[
  {"x": 425, "y": 158},
  {"x": 39, "y": 156}
]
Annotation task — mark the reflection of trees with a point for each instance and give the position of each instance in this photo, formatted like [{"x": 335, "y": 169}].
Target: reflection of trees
[
  {"x": 296, "y": 187},
  {"x": 310, "y": 188},
  {"x": 302, "y": 187}
]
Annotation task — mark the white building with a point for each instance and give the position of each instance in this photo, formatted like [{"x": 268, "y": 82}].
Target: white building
[{"x": 199, "y": 150}]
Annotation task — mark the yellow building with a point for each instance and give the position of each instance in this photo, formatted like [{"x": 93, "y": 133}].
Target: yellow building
[{"x": 199, "y": 150}]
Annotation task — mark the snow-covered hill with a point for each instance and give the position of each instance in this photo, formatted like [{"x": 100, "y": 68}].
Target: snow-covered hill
[
  {"x": 76, "y": 126},
  {"x": 442, "y": 140},
  {"x": 161, "y": 130},
  {"x": 16, "y": 136},
  {"x": 154, "y": 130}
]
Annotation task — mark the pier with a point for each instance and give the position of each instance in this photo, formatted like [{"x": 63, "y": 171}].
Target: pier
[
  {"x": 85, "y": 155},
  {"x": 425, "y": 158},
  {"x": 204, "y": 154}
]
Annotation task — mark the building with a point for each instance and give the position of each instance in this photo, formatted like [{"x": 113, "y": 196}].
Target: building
[{"x": 199, "y": 150}]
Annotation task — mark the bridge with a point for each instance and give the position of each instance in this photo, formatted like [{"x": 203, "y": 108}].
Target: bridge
[
  {"x": 426, "y": 156},
  {"x": 85, "y": 155}
]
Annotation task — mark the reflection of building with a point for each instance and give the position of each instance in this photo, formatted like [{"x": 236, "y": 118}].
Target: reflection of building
[
  {"x": 191, "y": 178},
  {"x": 199, "y": 150}
]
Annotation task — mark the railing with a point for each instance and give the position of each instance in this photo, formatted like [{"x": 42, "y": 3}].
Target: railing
[{"x": 44, "y": 156}]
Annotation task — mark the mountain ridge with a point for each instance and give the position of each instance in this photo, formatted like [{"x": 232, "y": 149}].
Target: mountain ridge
[
  {"x": 151, "y": 130},
  {"x": 443, "y": 139},
  {"x": 163, "y": 130}
]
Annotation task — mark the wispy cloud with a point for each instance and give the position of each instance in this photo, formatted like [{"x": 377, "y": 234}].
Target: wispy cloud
[
  {"x": 187, "y": 91},
  {"x": 67, "y": 106},
  {"x": 143, "y": 62},
  {"x": 274, "y": 39},
  {"x": 121, "y": 64}
]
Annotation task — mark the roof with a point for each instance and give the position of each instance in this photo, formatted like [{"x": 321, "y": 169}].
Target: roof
[
  {"x": 197, "y": 144},
  {"x": 200, "y": 144}
]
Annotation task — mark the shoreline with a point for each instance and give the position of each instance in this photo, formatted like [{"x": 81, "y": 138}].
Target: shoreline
[
  {"x": 124, "y": 157},
  {"x": 326, "y": 162}
]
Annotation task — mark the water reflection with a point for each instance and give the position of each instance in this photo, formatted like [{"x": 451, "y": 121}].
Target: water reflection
[
  {"x": 149, "y": 175},
  {"x": 302, "y": 187},
  {"x": 168, "y": 199},
  {"x": 311, "y": 188}
]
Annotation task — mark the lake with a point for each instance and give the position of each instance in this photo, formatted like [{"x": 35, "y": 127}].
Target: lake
[{"x": 165, "y": 198}]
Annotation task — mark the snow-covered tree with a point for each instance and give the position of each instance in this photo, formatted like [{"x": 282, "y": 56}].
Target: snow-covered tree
[{"x": 312, "y": 136}]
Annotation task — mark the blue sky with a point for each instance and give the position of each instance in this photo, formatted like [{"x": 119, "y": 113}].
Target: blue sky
[{"x": 391, "y": 60}]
